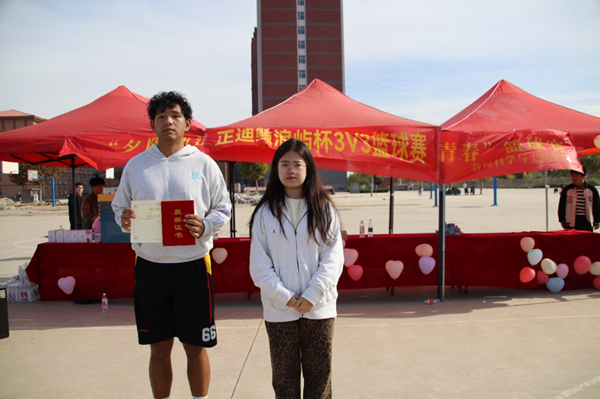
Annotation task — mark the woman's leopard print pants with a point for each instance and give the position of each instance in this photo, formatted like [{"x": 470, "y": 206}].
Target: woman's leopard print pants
[{"x": 305, "y": 345}]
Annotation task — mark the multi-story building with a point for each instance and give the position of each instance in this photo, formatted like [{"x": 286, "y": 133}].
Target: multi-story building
[{"x": 295, "y": 42}]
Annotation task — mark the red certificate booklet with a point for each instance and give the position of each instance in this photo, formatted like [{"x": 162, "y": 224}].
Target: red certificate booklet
[{"x": 174, "y": 231}]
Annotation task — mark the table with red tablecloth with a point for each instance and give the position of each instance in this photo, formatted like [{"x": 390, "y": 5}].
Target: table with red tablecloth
[{"x": 493, "y": 259}]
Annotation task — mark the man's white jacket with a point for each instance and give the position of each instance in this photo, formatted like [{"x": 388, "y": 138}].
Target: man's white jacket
[{"x": 282, "y": 265}]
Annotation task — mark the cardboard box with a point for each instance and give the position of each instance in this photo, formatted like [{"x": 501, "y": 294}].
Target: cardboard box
[
  {"x": 81, "y": 236},
  {"x": 68, "y": 236},
  {"x": 60, "y": 236},
  {"x": 51, "y": 235}
]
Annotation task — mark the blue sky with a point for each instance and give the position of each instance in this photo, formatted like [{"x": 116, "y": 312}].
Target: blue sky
[{"x": 422, "y": 60}]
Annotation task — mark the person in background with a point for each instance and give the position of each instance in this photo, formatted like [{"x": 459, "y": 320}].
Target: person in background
[
  {"x": 473, "y": 188},
  {"x": 579, "y": 204},
  {"x": 296, "y": 259},
  {"x": 466, "y": 188},
  {"x": 173, "y": 293},
  {"x": 75, "y": 201},
  {"x": 90, "y": 209}
]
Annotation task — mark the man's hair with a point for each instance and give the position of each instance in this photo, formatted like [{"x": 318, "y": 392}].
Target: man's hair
[
  {"x": 78, "y": 184},
  {"x": 97, "y": 181},
  {"x": 164, "y": 100}
]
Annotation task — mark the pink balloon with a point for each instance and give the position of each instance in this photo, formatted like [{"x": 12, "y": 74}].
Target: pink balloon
[
  {"x": 350, "y": 256},
  {"x": 219, "y": 255},
  {"x": 527, "y": 274},
  {"x": 355, "y": 272},
  {"x": 96, "y": 226},
  {"x": 597, "y": 282},
  {"x": 67, "y": 284},
  {"x": 527, "y": 244},
  {"x": 424, "y": 250},
  {"x": 542, "y": 278},
  {"x": 562, "y": 270},
  {"x": 582, "y": 265},
  {"x": 426, "y": 264},
  {"x": 394, "y": 268}
]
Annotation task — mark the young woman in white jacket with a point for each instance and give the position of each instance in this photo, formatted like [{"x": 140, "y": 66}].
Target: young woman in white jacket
[{"x": 296, "y": 259}]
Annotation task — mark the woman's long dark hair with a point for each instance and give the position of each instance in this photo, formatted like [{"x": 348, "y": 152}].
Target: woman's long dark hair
[{"x": 320, "y": 207}]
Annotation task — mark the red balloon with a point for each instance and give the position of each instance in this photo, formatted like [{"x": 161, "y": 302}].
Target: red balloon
[
  {"x": 542, "y": 278},
  {"x": 527, "y": 274},
  {"x": 355, "y": 272},
  {"x": 582, "y": 265},
  {"x": 597, "y": 283}
]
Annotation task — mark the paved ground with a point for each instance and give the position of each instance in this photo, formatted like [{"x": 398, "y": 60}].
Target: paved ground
[{"x": 490, "y": 343}]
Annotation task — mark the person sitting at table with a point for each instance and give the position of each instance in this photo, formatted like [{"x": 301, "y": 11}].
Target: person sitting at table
[
  {"x": 579, "y": 204},
  {"x": 90, "y": 209}
]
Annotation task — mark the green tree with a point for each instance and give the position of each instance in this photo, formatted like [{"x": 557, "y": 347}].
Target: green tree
[
  {"x": 254, "y": 171},
  {"x": 20, "y": 179},
  {"x": 360, "y": 178},
  {"x": 377, "y": 180},
  {"x": 591, "y": 163}
]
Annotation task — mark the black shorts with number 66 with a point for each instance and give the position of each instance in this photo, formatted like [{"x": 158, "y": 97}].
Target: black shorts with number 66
[{"x": 175, "y": 300}]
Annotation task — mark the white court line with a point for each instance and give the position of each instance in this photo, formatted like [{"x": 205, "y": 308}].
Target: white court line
[
  {"x": 16, "y": 244},
  {"x": 14, "y": 256},
  {"x": 578, "y": 388}
]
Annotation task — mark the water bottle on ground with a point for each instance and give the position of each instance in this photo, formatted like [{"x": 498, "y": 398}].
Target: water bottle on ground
[
  {"x": 104, "y": 303},
  {"x": 370, "y": 228},
  {"x": 432, "y": 301},
  {"x": 361, "y": 229}
]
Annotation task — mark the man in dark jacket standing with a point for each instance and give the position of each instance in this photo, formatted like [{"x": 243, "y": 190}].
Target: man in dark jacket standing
[
  {"x": 579, "y": 205},
  {"x": 75, "y": 200}
]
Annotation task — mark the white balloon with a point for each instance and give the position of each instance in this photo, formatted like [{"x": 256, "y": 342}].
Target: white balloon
[
  {"x": 219, "y": 255},
  {"x": 394, "y": 268},
  {"x": 548, "y": 266},
  {"x": 67, "y": 284},
  {"x": 534, "y": 256},
  {"x": 595, "y": 269}
]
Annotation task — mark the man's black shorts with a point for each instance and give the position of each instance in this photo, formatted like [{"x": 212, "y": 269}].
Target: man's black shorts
[{"x": 175, "y": 300}]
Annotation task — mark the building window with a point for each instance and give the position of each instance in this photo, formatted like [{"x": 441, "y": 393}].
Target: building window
[
  {"x": 300, "y": 2},
  {"x": 301, "y": 44},
  {"x": 300, "y": 87},
  {"x": 302, "y": 59},
  {"x": 301, "y": 30},
  {"x": 302, "y": 73},
  {"x": 301, "y": 15}
]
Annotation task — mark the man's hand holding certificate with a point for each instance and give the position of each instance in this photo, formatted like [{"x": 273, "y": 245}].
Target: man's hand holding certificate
[{"x": 169, "y": 223}]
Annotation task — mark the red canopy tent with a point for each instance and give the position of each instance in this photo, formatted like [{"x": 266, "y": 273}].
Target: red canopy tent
[
  {"x": 507, "y": 130},
  {"x": 343, "y": 134},
  {"x": 103, "y": 134}
]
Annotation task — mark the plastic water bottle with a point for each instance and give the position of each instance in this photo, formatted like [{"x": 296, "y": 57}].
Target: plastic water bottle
[
  {"x": 104, "y": 303},
  {"x": 432, "y": 301},
  {"x": 361, "y": 229},
  {"x": 370, "y": 228},
  {"x": 61, "y": 227}
]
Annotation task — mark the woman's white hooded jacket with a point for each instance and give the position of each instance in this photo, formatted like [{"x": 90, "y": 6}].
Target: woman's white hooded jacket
[{"x": 294, "y": 263}]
